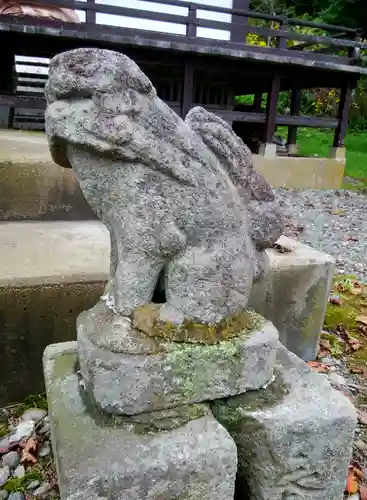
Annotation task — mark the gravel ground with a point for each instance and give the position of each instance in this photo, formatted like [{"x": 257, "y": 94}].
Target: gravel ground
[{"x": 332, "y": 221}]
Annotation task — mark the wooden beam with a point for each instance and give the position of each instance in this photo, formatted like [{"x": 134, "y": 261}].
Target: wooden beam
[
  {"x": 39, "y": 103},
  {"x": 294, "y": 111},
  {"x": 271, "y": 108},
  {"x": 343, "y": 113},
  {"x": 284, "y": 120}
]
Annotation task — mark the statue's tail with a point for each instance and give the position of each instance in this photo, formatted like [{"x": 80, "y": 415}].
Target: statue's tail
[
  {"x": 230, "y": 151},
  {"x": 265, "y": 217}
]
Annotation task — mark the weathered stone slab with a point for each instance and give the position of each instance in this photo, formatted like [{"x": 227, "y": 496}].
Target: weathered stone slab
[
  {"x": 99, "y": 456},
  {"x": 293, "y": 295},
  {"x": 129, "y": 372},
  {"x": 294, "y": 438}
]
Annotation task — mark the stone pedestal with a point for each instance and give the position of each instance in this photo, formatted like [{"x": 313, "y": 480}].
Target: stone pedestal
[
  {"x": 268, "y": 150},
  {"x": 338, "y": 153},
  {"x": 99, "y": 456},
  {"x": 293, "y": 295},
  {"x": 128, "y": 372},
  {"x": 294, "y": 438}
]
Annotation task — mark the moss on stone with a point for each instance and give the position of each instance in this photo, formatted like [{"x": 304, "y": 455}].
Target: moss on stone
[
  {"x": 232, "y": 412},
  {"x": 3, "y": 429},
  {"x": 353, "y": 303},
  {"x": 146, "y": 319}
]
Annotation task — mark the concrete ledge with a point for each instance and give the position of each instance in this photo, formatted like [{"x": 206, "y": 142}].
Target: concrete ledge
[
  {"x": 32, "y": 187},
  {"x": 40, "y": 253},
  {"x": 301, "y": 172},
  {"x": 51, "y": 271}
]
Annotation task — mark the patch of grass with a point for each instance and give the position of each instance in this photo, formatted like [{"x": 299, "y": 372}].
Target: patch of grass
[{"x": 319, "y": 142}]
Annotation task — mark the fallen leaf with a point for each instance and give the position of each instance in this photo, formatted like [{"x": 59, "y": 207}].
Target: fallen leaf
[
  {"x": 28, "y": 451},
  {"x": 358, "y": 370},
  {"x": 323, "y": 353},
  {"x": 336, "y": 300},
  {"x": 281, "y": 248},
  {"x": 358, "y": 472},
  {"x": 363, "y": 492},
  {"x": 325, "y": 344},
  {"x": 319, "y": 367},
  {"x": 354, "y": 344},
  {"x": 362, "y": 319},
  {"x": 356, "y": 291},
  {"x": 351, "y": 486},
  {"x": 362, "y": 417}
]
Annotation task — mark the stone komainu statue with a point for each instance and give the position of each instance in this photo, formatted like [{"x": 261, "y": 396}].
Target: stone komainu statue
[{"x": 180, "y": 199}]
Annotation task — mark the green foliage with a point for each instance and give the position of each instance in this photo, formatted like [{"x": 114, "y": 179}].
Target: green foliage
[
  {"x": 20, "y": 483},
  {"x": 32, "y": 401}
]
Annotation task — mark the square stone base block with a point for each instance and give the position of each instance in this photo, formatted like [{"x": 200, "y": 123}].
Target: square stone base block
[
  {"x": 293, "y": 295},
  {"x": 103, "y": 457},
  {"x": 294, "y": 438},
  {"x": 145, "y": 374}
]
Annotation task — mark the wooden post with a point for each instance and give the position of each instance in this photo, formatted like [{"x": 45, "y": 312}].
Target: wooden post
[
  {"x": 187, "y": 98},
  {"x": 90, "y": 15},
  {"x": 239, "y": 23},
  {"x": 7, "y": 87},
  {"x": 258, "y": 101},
  {"x": 343, "y": 113},
  {"x": 282, "y": 40},
  {"x": 271, "y": 109},
  {"x": 294, "y": 111},
  {"x": 191, "y": 27}
]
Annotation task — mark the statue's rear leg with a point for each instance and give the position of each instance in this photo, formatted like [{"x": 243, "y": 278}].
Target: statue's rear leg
[{"x": 207, "y": 284}]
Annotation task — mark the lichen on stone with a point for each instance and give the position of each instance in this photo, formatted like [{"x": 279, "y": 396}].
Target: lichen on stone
[
  {"x": 232, "y": 412},
  {"x": 146, "y": 319}
]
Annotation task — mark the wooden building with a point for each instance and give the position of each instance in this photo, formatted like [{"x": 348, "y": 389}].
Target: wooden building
[{"x": 195, "y": 54}]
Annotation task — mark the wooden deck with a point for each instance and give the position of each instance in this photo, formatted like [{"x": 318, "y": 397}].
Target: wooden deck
[{"x": 188, "y": 68}]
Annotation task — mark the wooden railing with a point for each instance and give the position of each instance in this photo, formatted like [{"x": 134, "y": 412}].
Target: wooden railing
[{"x": 350, "y": 41}]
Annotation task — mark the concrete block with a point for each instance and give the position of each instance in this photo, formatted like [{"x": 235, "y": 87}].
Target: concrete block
[
  {"x": 104, "y": 457},
  {"x": 338, "y": 154},
  {"x": 294, "y": 438},
  {"x": 145, "y": 374},
  {"x": 293, "y": 149},
  {"x": 32, "y": 186},
  {"x": 294, "y": 293},
  {"x": 269, "y": 150},
  {"x": 48, "y": 276},
  {"x": 301, "y": 172}
]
